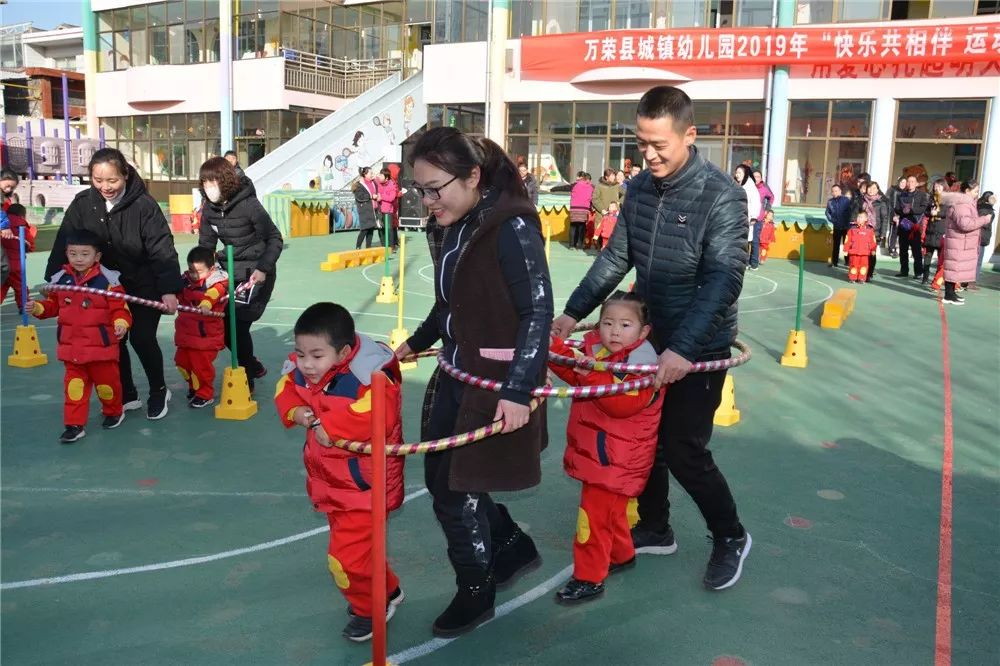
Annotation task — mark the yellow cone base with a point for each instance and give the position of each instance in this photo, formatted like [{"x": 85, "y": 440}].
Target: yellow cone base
[
  {"x": 795, "y": 350},
  {"x": 387, "y": 291},
  {"x": 396, "y": 338},
  {"x": 388, "y": 663},
  {"x": 27, "y": 353},
  {"x": 727, "y": 414},
  {"x": 632, "y": 512},
  {"x": 235, "y": 403}
]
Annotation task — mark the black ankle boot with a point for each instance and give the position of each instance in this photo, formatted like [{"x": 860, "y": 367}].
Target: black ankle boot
[
  {"x": 514, "y": 553},
  {"x": 472, "y": 605}
]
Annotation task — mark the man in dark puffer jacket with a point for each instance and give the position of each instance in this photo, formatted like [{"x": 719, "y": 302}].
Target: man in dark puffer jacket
[{"x": 684, "y": 228}]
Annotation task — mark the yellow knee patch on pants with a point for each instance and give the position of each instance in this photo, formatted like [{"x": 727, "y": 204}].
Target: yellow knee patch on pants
[
  {"x": 184, "y": 373},
  {"x": 582, "y": 526},
  {"x": 338, "y": 573},
  {"x": 74, "y": 389},
  {"x": 105, "y": 392},
  {"x": 195, "y": 384}
]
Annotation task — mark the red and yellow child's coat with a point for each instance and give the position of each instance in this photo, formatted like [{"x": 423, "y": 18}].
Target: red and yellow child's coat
[
  {"x": 339, "y": 480},
  {"x": 611, "y": 441},
  {"x": 193, "y": 331}
]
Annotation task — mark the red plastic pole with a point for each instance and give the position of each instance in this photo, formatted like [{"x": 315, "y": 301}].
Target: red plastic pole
[{"x": 378, "y": 520}]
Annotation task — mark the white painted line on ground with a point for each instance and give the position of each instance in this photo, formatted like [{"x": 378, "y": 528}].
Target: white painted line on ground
[
  {"x": 435, "y": 644},
  {"x": 173, "y": 564},
  {"x": 364, "y": 274}
]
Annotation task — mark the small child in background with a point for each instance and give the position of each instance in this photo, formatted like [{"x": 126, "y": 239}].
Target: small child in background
[
  {"x": 199, "y": 338},
  {"x": 603, "y": 230},
  {"x": 90, "y": 327},
  {"x": 326, "y": 388},
  {"x": 17, "y": 216},
  {"x": 766, "y": 235},
  {"x": 610, "y": 444},
  {"x": 859, "y": 246}
]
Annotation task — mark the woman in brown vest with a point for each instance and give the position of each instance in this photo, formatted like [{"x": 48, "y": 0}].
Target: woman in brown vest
[{"x": 492, "y": 291}]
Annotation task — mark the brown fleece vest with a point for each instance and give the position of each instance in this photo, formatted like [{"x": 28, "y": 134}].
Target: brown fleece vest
[{"x": 483, "y": 316}]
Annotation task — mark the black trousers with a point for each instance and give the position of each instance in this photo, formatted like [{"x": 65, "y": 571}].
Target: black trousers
[
  {"x": 893, "y": 238},
  {"x": 910, "y": 241},
  {"x": 244, "y": 347},
  {"x": 927, "y": 259},
  {"x": 682, "y": 450},
  {"x": 142, "y": 336},
  {"x": 470, "y": 521},
  {"x": 871, "y": 266},
  {"x": 577, "y": 234},
  {"x": 365, "y": 236},
  {"x": 838, "y": 237}
]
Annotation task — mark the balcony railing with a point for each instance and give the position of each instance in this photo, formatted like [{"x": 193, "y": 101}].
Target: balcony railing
[{"x": 339, "y": 77}]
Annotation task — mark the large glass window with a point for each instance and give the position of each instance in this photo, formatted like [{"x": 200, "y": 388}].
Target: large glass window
[
  {"x": 827, "y": 145},
  {"x": 159, "y": 33},
  {"x": 753, "y": 13},
  {"x": 935, "y": 137}
]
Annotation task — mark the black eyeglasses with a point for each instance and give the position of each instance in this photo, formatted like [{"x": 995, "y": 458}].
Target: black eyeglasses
[{"x": 432, "y": 193}]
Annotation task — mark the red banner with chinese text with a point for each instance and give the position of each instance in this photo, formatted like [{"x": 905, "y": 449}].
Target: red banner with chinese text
[{"x": 564, "y": 57}]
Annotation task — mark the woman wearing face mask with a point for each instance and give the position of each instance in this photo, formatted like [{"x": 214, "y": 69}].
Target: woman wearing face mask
[
  {"x": 366, "y": 197},
  {"x": 138, "y": 244},
  {"x": 232, "y": 215},
  {"x": 743, "y": 176},
  {"x": 492, "y": 291}
]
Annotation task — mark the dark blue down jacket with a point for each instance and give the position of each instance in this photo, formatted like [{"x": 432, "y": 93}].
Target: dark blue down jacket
[{"x": 686, "y": 236}]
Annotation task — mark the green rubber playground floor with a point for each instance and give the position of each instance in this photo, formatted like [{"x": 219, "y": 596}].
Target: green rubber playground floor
[{"x": 191, "y": 541}]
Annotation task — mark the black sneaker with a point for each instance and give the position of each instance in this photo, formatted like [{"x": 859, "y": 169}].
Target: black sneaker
[
  {"x": 726, "y": 563},
  {"x": 190, "y": 395},
  {"x": 953, "y": 300},
  {"x": 617, "y": 567},
  {"x": 395, "y": 599},
  {"x": 653, "y": 543},
  {"x": 198, "y": 403},
  {"x": 112, "y": 422},
  {"x": 157, "y": 408},
  {"x": 259, "y": 369},
  {"x": 579, "y": 591},
  {"x": 72, "y": 434},
  {"x": 132, "y": 405},
  {"x": 902, "y": 275},
  {"x": 359, "y": 628}
]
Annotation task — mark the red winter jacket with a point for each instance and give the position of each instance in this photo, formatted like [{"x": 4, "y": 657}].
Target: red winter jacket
[
  {"x": 193, "y": 331},
  {"x": 86, "y": 329},
  {"x": 338, "y": 480},
  {"x": 12, "y": 246},
  {"x": 611, "y": 441},
  {"x": 861, "y": 240}
]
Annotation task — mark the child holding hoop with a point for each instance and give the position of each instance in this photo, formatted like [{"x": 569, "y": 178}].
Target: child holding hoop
[{"x": 610, "y": 443}]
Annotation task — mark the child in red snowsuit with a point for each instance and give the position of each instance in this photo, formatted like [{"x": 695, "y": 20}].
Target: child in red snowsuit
[
  {"x": 326, "y": 388},
  {"x": 12, "y": 247},
  {"x": 199, "y": 338},
  {"x": 766, "y": 235},
  {"x": 606, "y": 226},
  {"x": 859, "y": 246},
  {"x": 611, "y": 443},
  {"x": 90, "y": 327}
]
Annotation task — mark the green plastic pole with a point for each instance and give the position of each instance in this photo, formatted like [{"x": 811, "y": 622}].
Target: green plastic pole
[
  {"x": 386, "y": 221},
  {"x": 798, "y": 302},
  {"x": 232, "y": 308}
]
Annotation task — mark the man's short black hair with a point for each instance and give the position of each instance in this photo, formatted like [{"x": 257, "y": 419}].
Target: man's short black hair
[
  {"x": 201, "y": 255},
  {"x": 230, "y": 152},
  {"x": 84, "y": 237},
  {"x": 865, "y": 176},
  {"x": 330, "y": 320},
  {"x": 17, "y": 209},
  {"x": 667, "y": 102}
]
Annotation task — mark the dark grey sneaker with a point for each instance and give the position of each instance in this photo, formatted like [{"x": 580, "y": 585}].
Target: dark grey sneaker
[
  {"x": 72, "y": 434},
  {"x": 726, "y": 563},
  {"x": 199, "y": 403},
  {"x": 157, "y": 408},
  {"x": 112, "y": 422},
  {"x": 359, "y": 629},
  {"x": 653, "y": 543},
  {"x": 579, "y": 591}
]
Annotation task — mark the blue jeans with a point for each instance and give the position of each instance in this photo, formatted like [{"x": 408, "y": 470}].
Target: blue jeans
[{"x": 755, "y": 244}]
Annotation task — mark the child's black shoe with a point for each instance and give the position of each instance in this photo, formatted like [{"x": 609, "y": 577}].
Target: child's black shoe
[
  {"x": 579, "y": 591},
  {"x": 72, "y": 434},
  {"x": 198, "y": 403},
  {"x": 359, "y": 629},
  {"x": 112, "y": 422}
]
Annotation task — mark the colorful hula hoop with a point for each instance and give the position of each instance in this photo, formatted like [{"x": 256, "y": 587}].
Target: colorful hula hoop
[{"x": 156, "y": 305}]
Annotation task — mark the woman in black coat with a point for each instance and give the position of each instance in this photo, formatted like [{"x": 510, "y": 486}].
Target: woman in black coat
[
  {"x": 365, "y": 195},
  {"x": 984, "y": 207},
  {"x": 138, "y": 244},
  {"x": 233, "y": 215}
]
